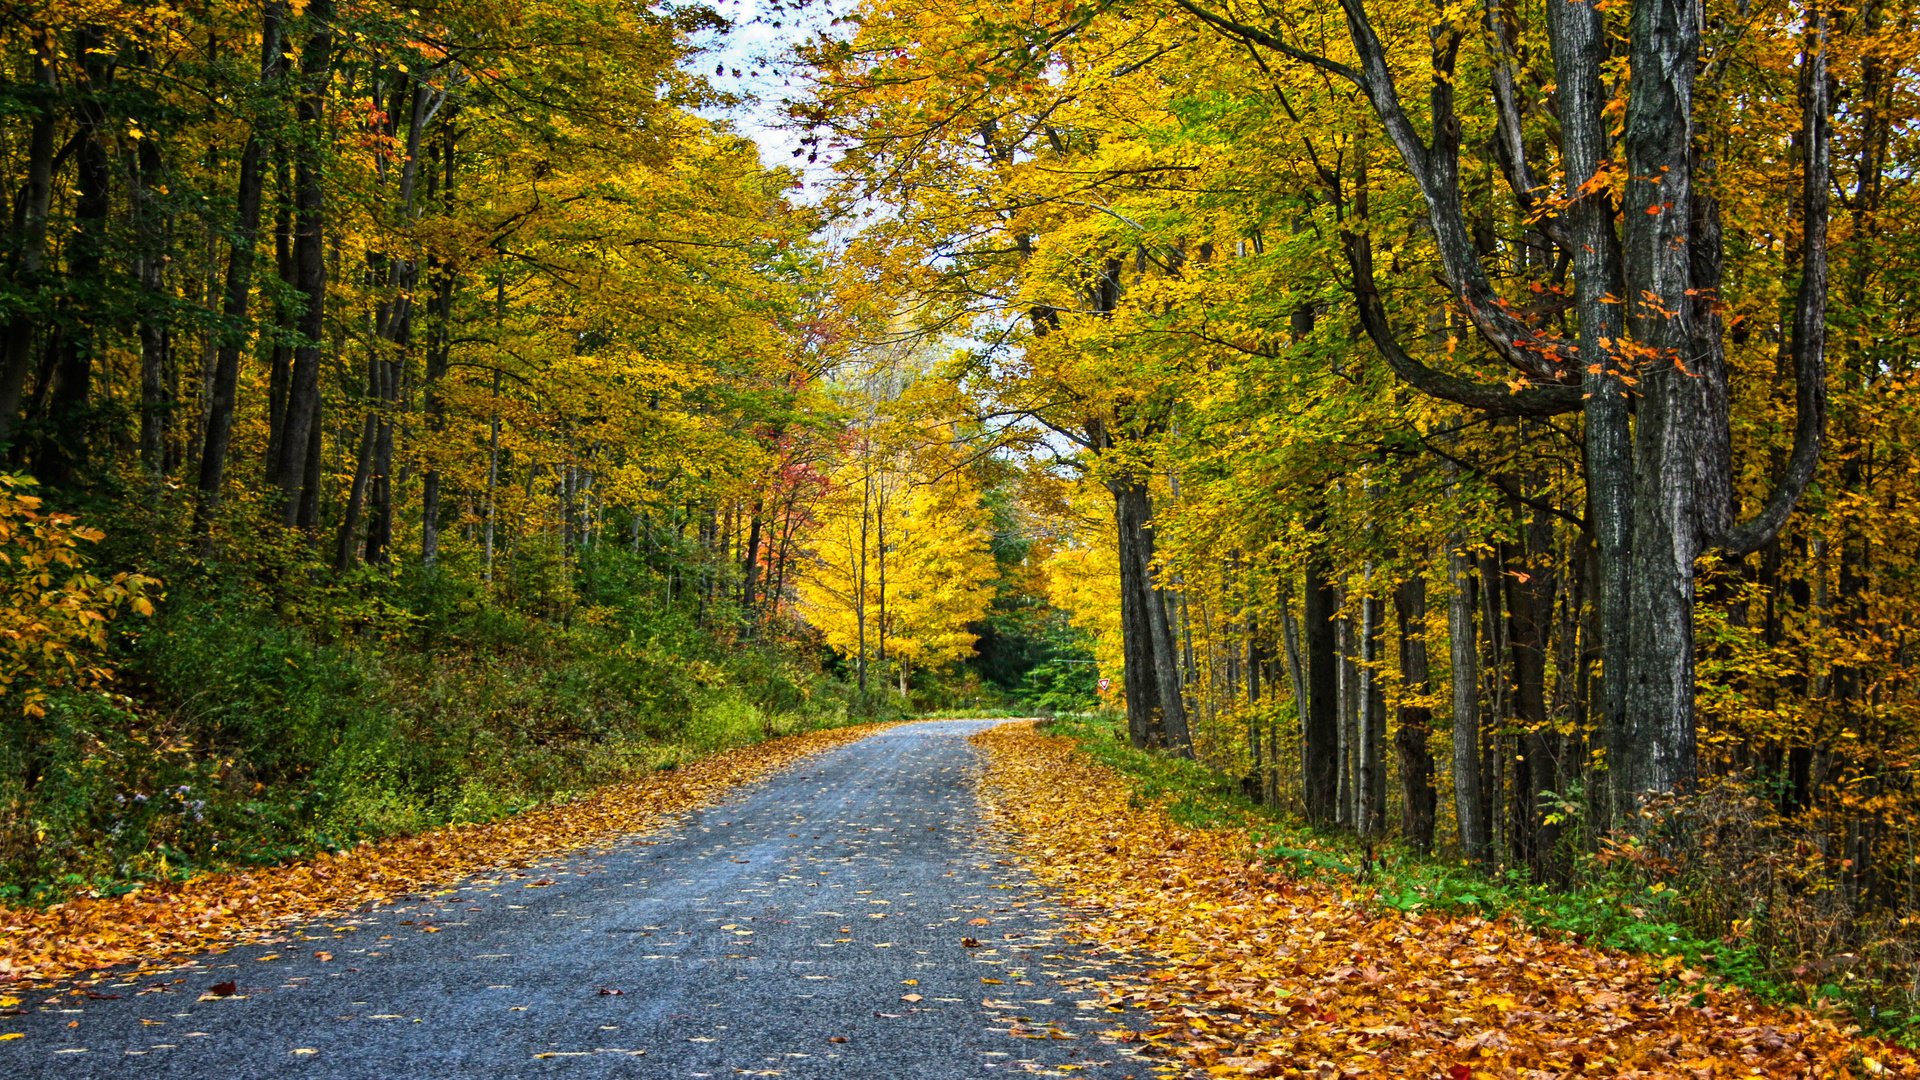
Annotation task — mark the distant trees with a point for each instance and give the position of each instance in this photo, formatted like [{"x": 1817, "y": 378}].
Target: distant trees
[{"x": 899, "y": 573}]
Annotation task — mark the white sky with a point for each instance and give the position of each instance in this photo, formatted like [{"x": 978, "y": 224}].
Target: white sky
[{"x": 759, "y": 50}]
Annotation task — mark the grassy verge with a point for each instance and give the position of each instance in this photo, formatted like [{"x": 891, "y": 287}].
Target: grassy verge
[
  {"x": 1610, "y": 909},
  {"x": 253, "y": 725}
]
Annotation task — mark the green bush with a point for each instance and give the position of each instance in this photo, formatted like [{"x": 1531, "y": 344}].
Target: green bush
[{"x": 274, "y": 714}]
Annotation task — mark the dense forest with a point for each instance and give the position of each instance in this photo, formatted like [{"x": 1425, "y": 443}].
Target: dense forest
[
  {"x": 1480, "y": 430},
  {"x": 1482, "y": 427},
  {"x": 414, "y": 414}
]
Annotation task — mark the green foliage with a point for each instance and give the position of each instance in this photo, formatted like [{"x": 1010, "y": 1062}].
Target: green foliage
[{"x": 273, "y": 721}]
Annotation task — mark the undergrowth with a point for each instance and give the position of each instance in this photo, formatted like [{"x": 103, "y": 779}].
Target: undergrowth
[
  {"x": 268, "y": 711},
  {"x": 1610, "y": 907}
]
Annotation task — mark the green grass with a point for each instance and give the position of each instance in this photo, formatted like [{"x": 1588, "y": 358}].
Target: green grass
[
  {"x": 243, "y": 733},
  {"x": 1609, "y": 909}
]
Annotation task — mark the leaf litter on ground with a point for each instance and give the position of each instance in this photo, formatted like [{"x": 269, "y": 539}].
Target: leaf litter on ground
[
  {"x": 1251, "y": 970},
  {"x": 154, "y": 926}
]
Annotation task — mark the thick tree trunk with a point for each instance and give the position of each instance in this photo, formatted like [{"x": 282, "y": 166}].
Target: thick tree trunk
[
  {"x": 1144, "y": 722},
  {"x": 1579, "y": 44}
]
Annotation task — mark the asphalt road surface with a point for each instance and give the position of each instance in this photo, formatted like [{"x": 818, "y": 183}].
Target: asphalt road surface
[{"x": 848, "y": 918}]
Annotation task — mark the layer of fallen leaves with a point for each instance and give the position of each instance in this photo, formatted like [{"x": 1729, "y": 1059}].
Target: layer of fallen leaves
[
  {"x": 1253, "y": 972},
  {"x": 154, "y": 925}
]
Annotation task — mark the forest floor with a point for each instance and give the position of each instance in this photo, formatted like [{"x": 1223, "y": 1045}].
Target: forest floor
[{"x": 1252, "y": 970}]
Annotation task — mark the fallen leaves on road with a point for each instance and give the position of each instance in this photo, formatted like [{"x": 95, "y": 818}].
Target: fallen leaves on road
[
  {"x": 1252, "y": 972},
  {"x": 152, "y": 925}
]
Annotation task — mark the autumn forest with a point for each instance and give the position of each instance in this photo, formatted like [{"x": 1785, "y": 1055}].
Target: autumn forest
[{"x": 1468, "y": 452}]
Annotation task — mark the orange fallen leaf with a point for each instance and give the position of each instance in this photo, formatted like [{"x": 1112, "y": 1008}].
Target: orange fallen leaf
[{"x": 42, "y": 946}]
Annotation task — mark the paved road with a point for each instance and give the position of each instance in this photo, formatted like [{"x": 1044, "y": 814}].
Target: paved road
[{"x": 786, "y": 933}]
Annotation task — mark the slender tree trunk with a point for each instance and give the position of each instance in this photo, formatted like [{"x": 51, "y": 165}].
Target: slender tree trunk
[
  {"x": 1464, "y": 647},
  {"x": 439, "y": 357},
  {"x": 156, "y": 312},
  {"x": 860, "y": 582},
  {"x": 750, "y": 566},
  {"x": 72, "y": 351},
  {"x": 347, "y": 546},
  {"x": 1372, "y": 722},
  {"x": 280, "y": 359},
  {"x": 30, "y": 239},
  {"x": 1421, "y": 801},
  {"x": 298, "y": 471},
  {"x": 1536, "y": 773},
  {"x": 1320, "y": 750},
  {"x": 235, "y": 329},
  {"x": 493, "y": 482}
]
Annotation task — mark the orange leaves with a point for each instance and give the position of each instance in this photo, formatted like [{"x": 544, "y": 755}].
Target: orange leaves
[
  {"x": 152, "y": 925},
  {"x": 1258, "y": 973}
]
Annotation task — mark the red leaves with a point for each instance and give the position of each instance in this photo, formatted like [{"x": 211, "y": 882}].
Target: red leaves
[{"x": 224, "y": 989}]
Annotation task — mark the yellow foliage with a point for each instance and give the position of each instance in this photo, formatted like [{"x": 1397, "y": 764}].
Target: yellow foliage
[{"x": 53, "y": 612}]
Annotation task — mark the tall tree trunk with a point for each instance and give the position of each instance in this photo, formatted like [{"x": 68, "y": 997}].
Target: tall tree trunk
[
  {"x": 1370, "y": 716},
  {"x": 750, "y": 565},
  {"x": 298, "y": 471},
  {"x": 347, "y": 544},
  {"x": 1536, "y": 773},
  {"x": 439, "y": 357},
  {"x": 235, "y": 329},
  {"x": 1320, "y": 749},
  {"x": 1421, "y": 802},
  {"x": 280, "y": 359},
  {"x": 64, "y": 445},
  {"x": 27, "y": 269},
  {"x": 493, "y": 478},
  {"x": 1476, "y": 842},
  {"x": 152, "y": 233},
  {"x": 416, "y": 104},
  {"x": 1136, "y": 598},
  {"x": 1153, "y": 686}
]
